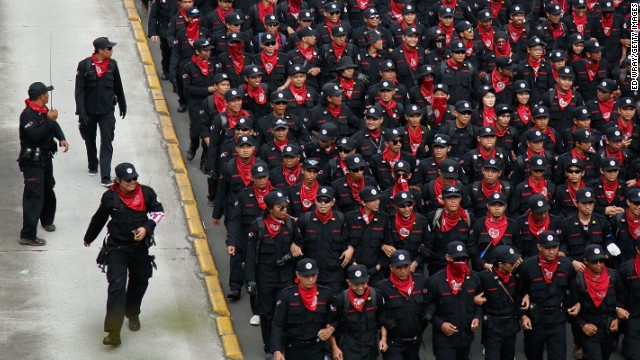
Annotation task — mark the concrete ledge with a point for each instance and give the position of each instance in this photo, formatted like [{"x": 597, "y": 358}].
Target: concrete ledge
[
  {"x": 175, "y": 156},
  {"x": 195, "y": 228},
  {"x": 184, "y": 188},
  {"x": 156, "y": 94},
  {"x": 231, "y": 347},
  {"x": 169, "y": 134},
  {"x": 205, "y": 259},
  {"x": 150, "y": 70},
  {"x": 145, "y": 53},
  {"x": 161, "y": 107},
  {"x": 224, "y": 326},
  {"x": 216, "y": 296}
]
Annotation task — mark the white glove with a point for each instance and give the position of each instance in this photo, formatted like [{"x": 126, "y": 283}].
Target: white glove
[{"x": 613, "y": 249}]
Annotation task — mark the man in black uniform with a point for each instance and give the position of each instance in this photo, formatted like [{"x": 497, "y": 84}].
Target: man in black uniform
[
  {"x": 38, "y": 128},
  {"x": 158, "y": 27},
  {"x": 404, "y": 309},
  {"x": 303, "y": 317},
  {"x": 630, "y": 276},
  {"x": 135, "y": 212},
  {"x": 98, "y": 88},
  {"x": 358, "y": 310}
]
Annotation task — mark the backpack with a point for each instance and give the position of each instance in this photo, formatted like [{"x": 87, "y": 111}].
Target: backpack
[
  {"x": 261, "y": 231},
  {"x": 436, "y": 218}
]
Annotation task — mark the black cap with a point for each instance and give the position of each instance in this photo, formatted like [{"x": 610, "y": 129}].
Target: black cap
[
  {"x": 534, "y": 135},
  {"x": 607, "y": 5},
  {"x": 126, "y": 171},
  {"x": 232, "y": 94},
  {"x": 202, "y": 44},
  {"x": 484, "y": 15},
  {"x": 410, "y": 30},
  {"x": 346, "y": 143},
  {"x": 413, "y": 110},
  {"x": 581, "y": 113},
  {"x": 338, "y": 30},
  {"x": 463, "y": 106},
  {"x": 387, "y": 65},
  {"x": 614, "y": 134},
  {"x": 497, "y": 197},
  {"x": 566, "y": 71},
  {"x": 553, "y": 9},
  {"x": 521, "y": 86},
  {"x": 585, "y": 195},
  {"x": 386, "y": 85},
  {"x": 592, "y": 46},
  {"x": 403, "y": 197},
  {"x": 267, "y": 38},
  {"x": 535, "y": 41},
  {"x": 369, "y": 193},
  {"x": 354, "y": 162},
  {"x": 291, "y": 150},
  {"x": 357, "y": 274},
  {"x": 583, "y": 135},
  {"x": 305, "y": 15},
  {"x": 505, "y": 254},
  {"x": 311, "y": 164},
  {"x": 441, "y": 140},
  {"x": 193, "y": 13},
  {"x": 102, "y": 43},
  {"x": 331, "y": 89},
  {"x": 457, "y": 250},
  {"x": 233, "y": 18},
  {"x": 220, "y": 77},
  {"x": 271, "y": 19},
  {"x": 346, "y": 62},
  {"x": 391, "y": 134},
  {"x": 538, "y": 203},
  {"x": 609, "y": 163},
  {"x": 451, "y": 191},
  {"x": 368, "y": 12},
  {"x": 306, "y": 31},
  {"x": 245, "y": 122},
  {"x": 517, "y": 9},
  {"x": 259, "y": 169},
  {"x": 579, "y": 4},
  {"x": 402, "y": 165},
  {"x": 306, "y": 267},
  {"x": 548, "y": 239},
  {"x": 594, "y": 252},
  {"x": 558, "y": 55},
  {"x": 486, "y": 131},
  {"x": 244, "y": 139},
  {"x": 576, "y": 39},
  {"x": 505, "y": 62},
  {"x": 371, "y": 37},
  {"x": 373, "y": 112},
  {"x": 441, "y": 87},
  {"x": 37, "y": 88},
  {"x": 538, "y": 162},
  {"x": 280, "y": 123},
  {"x": 400, "y": 258},
  {"x": 234, "y": 36},
  {"x": 425, "y": 70},
  {"x": 462, "y": 26},
  {"x": 252, "y": 70},
  {"x": 331, "y": 7},
  {"x": 446, "y": 11},
  {"x": 484, "y": 89},
  {"x": 408, "y": 8},
  {"x": 633, "y": 194},
  {"x": 297, "y": 69},
  {"x": 502, "y": 109},
  {"x": 457, "y": 46},
  {"x": 626, "y": 102},
  {"x": 575, "y": 162},
  {"x": 279, "y": 96},
  {"x": 327, "y": 132},
  {"x": 450, "y": 168},
  {"x": 607, "y": 85},
  {"x": 540, "y": 111},
  {"x": 275, "y": 197},
  {"x": 325, "y": 192},
  {"x": 492, "y": 163}
]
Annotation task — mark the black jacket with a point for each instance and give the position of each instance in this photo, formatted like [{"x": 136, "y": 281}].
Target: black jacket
[{"x": 98, "y": 95}]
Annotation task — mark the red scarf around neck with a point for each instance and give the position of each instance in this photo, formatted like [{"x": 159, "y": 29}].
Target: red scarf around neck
[
  {"x": 577, "y": 155},
  {"x": 133, "y": 200},
  {"x": 347, "y": 86},
  {"x": 258, "y": 94},
  {"x": 244, "y": 170},
  {"x": 548, "y": 268},
  {"x": 324, "y": 218},
  {"x": 222, "y": 14},
  {"x": 618, "y": 155},
  {"x": 539, "y": 187},
  {"x": 362, "y": 4},
  {"x": 40, "y": 109},
  {"x": 294, "y": 7},
  {"x": 450, "y": 220},
  {"x": 236, "y": 53},
  {"x": 411, "y": 55},
  {"x": 524, "y": 113},
  {"x": 375, "y": 134},
  {"x": 220, "y": 102},
  {"x": 439, "y": 108},
  {"x": 338, "y": 49},
  {"x": 535, "y": 65},
  {"x": 572, "y": 191},
  {"x": 291, "y": 176},
  {"x": 261, "y": 193},
  {"x": 487, "y": 189},
  {"x": 607, "y": 23},
  {"x": 498, "y": 81},
  {"x": 306, "y": 53},
  {"x": 486, "y": 36},
  {"x": 396, "y": 10},
  {"x": 495, "y": 8},
  {"x": 515, "y": 32},
  {"x": 633, "y": 224},
  {"x": 564, "y": 99},
  {"x": 309, "y": 296},
  {"x": 269, "y": 61},
  {"x": 389, "y": 107},
  {"x": 538, "y": 227},
  {"x": 496, "y": 228},
  {"x": 609, "y": 189},
  {"x": 366, "y": 217},
  {"x": 404, "y": 286},
  {"x": 404, "y": 226},
  {"x": 488, "y": 116},
  {"x": 101, "y": 65},
  {"x": 556, "y": 31},
  {"x": 203, "y": 64},
  {"x": 592, "y": 68},
  {"x": 597, "y": 286},
  {"x": 606, "y": 108},
  {"x": 273, "y": 226},
  {"x": 334, "y": 110},
  {"x": 548, "y": 132},
  {"x": 357, "y": 302},
  {"x": 486, "y": 155},
  {"x": 426, "y": 88},
  {"x": 299, "y": 94},
  {"x": 504, "y": 276},
  {"x": 264, "y": 10},
  {"x": 627, "y": 129},
  {"x": 438, "y": 185},
  {"x": 580, "y": 22},
  {"x": 355, "y": 187},
  {"x": 233, "y": 119},
  {"x": 415, "y": 138},
  {"x": 456, "y": 273},
  {"x": 448, "y": 33},
  {"x": 193, "y": 30},
  {"x": 390, "y": 158},
  {"x": 308, "y": 195}
]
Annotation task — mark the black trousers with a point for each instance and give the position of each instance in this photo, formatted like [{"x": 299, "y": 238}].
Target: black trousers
[
  {"x": 107, "y": 125},
  {"x": 402, "y": 351},
  {"x": 596, "y": 349},
  {"x": 498, "y": 346},
  {"x": 38, "y": 198},
  {"x": 452, "y": 353},
  {"x": 631, "y": 341},
  {"x": 165, "y": 49},
  {"x": 551, "y": 335},
  {"x": 125, "y": 297},
  {"x": 314, "y": 351},
  {"x": 266, "y": 306}
]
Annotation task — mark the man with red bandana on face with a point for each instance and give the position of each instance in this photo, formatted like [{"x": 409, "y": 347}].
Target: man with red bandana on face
[
  {"x": 404, "y": 303},
  {"x": 257, "y": 14},
  {"x": 453, "y": 310},
  {"x": 535, "y": 183},
  {"x": 235, "y": 59},
  {"x": 347, "y": 189}
]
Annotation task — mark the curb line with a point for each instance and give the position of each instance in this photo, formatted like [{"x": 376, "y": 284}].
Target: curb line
[{"x": 219, "y": 306}]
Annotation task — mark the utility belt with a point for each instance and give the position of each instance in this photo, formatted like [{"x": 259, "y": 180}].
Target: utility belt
[
  {"x": 34, "y": 154},
  {"x": 498, "y": 318},
  {"x": 298, "y": 344},
  {"x": 406, "y": 340}
]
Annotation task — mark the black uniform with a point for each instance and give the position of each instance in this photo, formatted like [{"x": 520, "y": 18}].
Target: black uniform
[
  {"x": 196, "y": 84},
  {"x": 440, "y": 239},
  {"x": 527, "y": 240},
  {"x": 368, "y": 239},
  {"x": 631, "y": 281},
  {"x": 125, "y": 254},
  {"x": 158, "y": 25},
  {"x": 357, "y": 331},
  {"x": 481, "y": 247},
  {"x": 576, "y": 236}
]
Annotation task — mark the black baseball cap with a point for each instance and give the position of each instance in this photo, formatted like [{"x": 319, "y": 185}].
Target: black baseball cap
[
  {"x": 497, "y": 197},
  {"x": 37, "y": 88},
  {"x": 585, "y": 195},
  {"x": 548, "y": 239},
  {"x": 357, "y": 274},
  {"x": 614, "y": 134},
  {"x": 609, "y": 163},
  {"x": 403, "y": 197},
  {"x": 538, "y": 204},
  {"x": 327, "y": 132},
  {"x": 451, "y": 191},
  {"x": 594, "y": 252},
  {"x": 369, "y": 193},
  {"x": 259, "y": 170},
  {"x": 275, "y": 197},
  {"x": 126, "y": 171},
  {"x": 450, "y": 168},
  {"x": 400, "y": 258},
  {"x": 538, "y": 162},
  {"x": 307, "y": 266},
  {"x": 505, "y": 254},
  {"x": 457, "y": 250},
  {"x": 346, "y": 143},
  {"x": 102, "y": 43}
]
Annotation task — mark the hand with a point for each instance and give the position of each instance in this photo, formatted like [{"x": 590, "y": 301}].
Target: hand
[
  {"x": 154, "y": 39},
  {"x": 65, "y": 145},
  {"x": 578, "y": 266},
  {"x": 211, "y": 89},
  {"x": 614, "y": 326},
  {"x": 278, "y": 355},
  {"x": 123, "y": 113},
  {"x": 383, "y": 345},
  {"x": 252, "y": 289},
  {"x": 426, "y": 148},
  {"x": 632, "y": 182},
  {"x": 52, "y": 114},
  {"x": 488, "y": 266},
  {"x": 525, "y": 303},
  {"x": 346, "y": 256},
  {"x": 140, "y": 234},
  {"x": 613, "y": 249},
  {"x": 589, "y": 329},
  {"x": 215, "y": 222},
  {"x": 479, "y": 299},
  {"x": 296, "y": 251},
  {"x": 83, "y": 119},
  {"x": 574, "y": 310},
  {"x": 613, "y": 210},
  {"x": 626, "y": 142},
  {"x": 388, "y": 250},
  {"x": 448, "y": 329},
  {"x": 475, "y": 324},
  {"x": 314, "y": 71},
  {"x": 231, "y": 250},
  {"x": 413, "y": 266},
  {"x": 337, "y": 353},
  {"x": 364, "y": 78},
  {"x": 325, "y": 334},
  {"x": 86, "y": 243},
  {"x": 525, "y": 322},
  {"x": 622, "y": 314}
]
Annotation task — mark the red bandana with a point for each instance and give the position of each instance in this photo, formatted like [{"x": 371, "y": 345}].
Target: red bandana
[
  {"x": 438, "y": 185},
  {"x": 496, "y": 228},
  {"x": 597, "y": 286},
  {"x": 606, "y": 108},
  {"x": 355, "y": 187},
  {"x": 500, "y": 132},
  {"x": 260, "y": 194},
  {"x": 396, "y": 10},
  {"x": 203, "y": 65},
  {"x": 347, "y": 86},
  {"x": 486, "y": 36},
  {"x": 556, "y": 31},
  {"x": 193, "y": 30},
  {"x": 426, "y": 88},
  {"x": 483, "y": 153},
  {"x": 548, "y": 132},
  {"x": 495, "y": 8},
  {"x": 101, "y": 65},
  {"x": 264, "y": 10},
  {"x": 40, "y": 109},
  {"x": 273, "y": 226},
  {"x": 269, "y": 61},
  {"x": 308, "y": 195},
  {"x": 294, "y": 7},
  {"x": 281, "y": 144},
  {"x": 591, "y": 5},
  {"x": 468, "y": 49},
  {"x": 334, "y": 110},
  {"x": 499, "y": 82},
  {"x": 404, "y": 226},
  {"x": 578, "y": 155},
  {"x": 399, "y": 185},
  {"x": 592, "y": 68},
  {"x": 609, "y": 189},
  {"x": 222, "y": 14},
  {"x": 453, "y": 64},
  {"x": 487, "y": 190},
  {"x": 538, "y": 227},
  {"x": 627, "y": 130},
  {"x": 220, "y": 102},
  {"x": 366, "y": 217},
  {"x": 415, "y": 138},
  {"x": 634, "y": 225},
  {"x": 258, "y": 94},
  {"x": 362, "y": 4},
  {"x": 309, "y": 297},
  {"x": 531, "y": 153},
  {"x": 236, "y": 53},
  {"x": 515, "y": 32},
  {"x": 488, "y": 116},
  {"x": 299, "y": 94},
  {"x": 535, "y": 65},
  {"x": 572, "y": 191},
  {"x": 291, "y": 176},
  {"x": 439, "y": 108},
  {"x": 391, "y": 159},
  {"x": 524, "y": 113},
  {"x": 357, "y": 302},
  {"x": 404, "y": 286},
  {"x": 233, "y": 119},
  {"x": 548, "y": 268},
  {"x": 375, "y": 134},
  {"x": 133, "y": 200},
  {"x": 307, "y": 53},
  {"x": 339, "y": 50},
  {"x": 245, "y": 170},
  {"x": 618, "y": 155},
  {"x": 607, "y": 23},
  {"x": 580, "y": 22},
  {"x": 450, "y": 220},
  {"x": 324, "y": 218},
  {"x": 503, "y": 49},
  {"x": 389, "y": 107},
  {"x": 456, "y": 273},
  {"x": 539, "y": 187},
  {"x": 504, "y": 276},
  {"x": 411, "y": 55},
  {"x": 448, "y": 33}
]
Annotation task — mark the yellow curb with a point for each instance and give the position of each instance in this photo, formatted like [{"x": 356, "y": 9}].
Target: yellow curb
[
  {"x": 231, "y": 347},
  {"x": 154, "y": 82},
  {"x": 156, "y": 94},
  {"x": 145, "y": 53},
  {"x": 132, "y": 14},
  {"x": 175, "y": 157},
  {"x": 205, "y": 260},
  {"x": 216, "y": 296},
  {"x": 165, "y": 120},
  {"x": 161, "y": 106},
  {"x": 224, "y": 326},
  {"x": 195, "y": 228},
  {"x": 184, "y": 188},
  {"x": 169, "y": 134},
  {"x": 191, "y": 212},
  {"x": 150, "y": 69}
]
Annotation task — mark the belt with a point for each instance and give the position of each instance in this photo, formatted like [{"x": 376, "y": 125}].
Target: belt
[
  {"x": 405, "y": 340},
  {"x": 550, "y": 310},
  {"x": 500, "y": 318},
  {"x": 302, "y": 343}
]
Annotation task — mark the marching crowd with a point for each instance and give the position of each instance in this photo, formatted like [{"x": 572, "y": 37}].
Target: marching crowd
[{"x": 374, "y": 142}]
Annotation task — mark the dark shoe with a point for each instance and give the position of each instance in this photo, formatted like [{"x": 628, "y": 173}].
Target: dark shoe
[
  {"x": 210, "y": 203},
  {"x": 164, "y": 76},
  {"x": 578, "y": 354},
  {"x": 190, "y": 154},
  {"x": 106, "y": 182},
  {"x": 49, "y": 228},
  {"x": 93, "y": 172},
  {"x": 36, "y": 242},
  {"x": 234, "y": 295},
  {"x": 145, "y": 8},
  {"x": 112, "y": 339},
  {"x": 182, "y": 108},
  {"x": 134, "y": 323}
]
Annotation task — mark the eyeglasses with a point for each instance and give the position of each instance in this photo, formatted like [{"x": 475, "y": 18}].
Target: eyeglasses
[
  {"x": 405, "y": 205},
  {"x": 469, "y": 30},
  {"x": 635, "y": 203},
  {"x": 280, "y": 103},
  {"x": 401, "y": 175},
  {"x": 375, "y": 17},
  {"x": 599, "y": 261},
  {"x": 324, "y": 201},
  {"x": 397, "y": 142},
  {"x": 574, "y": 171},
  {"x": 130, "y": 180},
  {"x": 240, "y": 128},
  {"x": 283, "y": 207},
  {"x": 335, "y": 13},
  {"x": 358, "y": 170},
  {"x": 269, "y": 44}
]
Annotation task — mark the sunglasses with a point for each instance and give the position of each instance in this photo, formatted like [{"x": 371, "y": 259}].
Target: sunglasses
[
  {"x": 375, "y": 17},
  {"x": 109, "y": 49},
  {"x": 344, "y": 151},
  {"x": 396, "y": 142},
  {"x": 324, "y": 201},
  {"x": 335, "y": 13},
  {"x": 466, "y": 113},
  {"x": 405, "y": 205},
  {"x": 537, "y": 170},
  {"x": 399, "y": 175},
  {"x": 635, "y": 203},
  {"x": 599, "y": 261},
  {"x": 458, "y": 52},
  {"x": 280, "y": 103},
  {"x": 469, "y": 30},
  {"x": 574, "y": 171},
  {"x": 130, "y": 180},
  {"x": 272, "y": 24},
  {"x": 241, "y": 128},
  {"x": 283, "y": 207},
  {"x": 359, "y": 170},
  {"x": 269, "y": 44}
]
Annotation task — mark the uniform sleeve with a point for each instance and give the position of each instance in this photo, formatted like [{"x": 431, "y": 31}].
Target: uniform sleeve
[
  {"x": 234, "y": 225},
  {"x": 250, "y": 260},
  {"x": 32, "y": 128},
  {"x": 155, "y": 212},
  {"x": 430, "y": 300},
  {"x": 152, "y": 24},
  {"x": 278, "y": 323},
  {"x": 100, "y": 218},
  {"x": 119, "y": 90},
  {"x": 80, "y": 88},
  {"x": 189, "y": 88}
]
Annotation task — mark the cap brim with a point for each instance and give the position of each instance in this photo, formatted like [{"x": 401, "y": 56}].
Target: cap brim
[
  {"x": 458, "y": 255},
  {"x": 401, "y": 263},
  {"x": 245, "y": 142},
  {"x": 457, "y": 194},
  {"x": 538, "y": 167},
  {"x": 128, "y": 177},
  {"x": 513, "y": 259},
  {"x": 49, "y": 88},
  {"x": 358, "y": 280},
  {"x": 548, "y": 244},
  {"x": 450, "y": 175},
  {"x": 542, "y": 209},
  {"x": 260, "y": 174},
  {"x": 308, "y": 272}
]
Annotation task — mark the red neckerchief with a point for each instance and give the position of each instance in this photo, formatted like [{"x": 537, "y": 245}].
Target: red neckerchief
[
  {"x": 606, "y": 108},
  {"x": 309, "y": 296},
  {"x": 580, "y": 22},
  {"x": 618, "y": 155},
  {"x": 299, "y": 94},
  {"x": 366, "y": 217},
  {"x": 343, "y": 166},
  {"x": 563, "y": 4},
  {"x": 554, "y": 72},
  {"x": 499, "y": 82},
  {"x": 222, "y": 14},
  {"x": 503, "y": 49},
  {"x": 439, "y": 108},
  {"x": 627, "y": 130},
  {"x": 347, "y": 86},
  {"x": 634, "y": 225},
  {"x": 324, "y": 218},
  {"x": 607, "y": 23},
  {"x": 500, "y": 133},
  {"x": 515, "y": 32},
  {"x": 362, "y": 4},
  {"x": 486, "y": 36},
  {"x": 294, "y": 7},
  {"x": 592, "y": 68},
  {"x": 306, "y": 53},
  {"x": 524, "y": 113},
  {"x": 597, "y": 286},
  {"x": 355, "y": 188},
  {"x": 264, "y": 10},
  {"x": 609, "y": 189},
  {"x": 538, "y": 227},
  {"x": 411, "y": 55},
  {"x": 391, "y": 159},
  {"x": 450, "y": 220},
  {"x": 496, "y": 228},
  {"x": 273, "y": 226},
  {"x": 357, "y": 302},
  {"x": 504, "y": 276},
  {"x": 539, "y": 187},
  {"x": 564, "y": 99},
  {"x": 495, "y": 8},
  {"x": 258, "y": 94},
  {"x": 468, "y": 49},
  {"x": 396, "y": 10},
  {"x": 203, "y": 65},
  {"x": 577, "y": 155},
  {"x": 548, "y": 268},
  {"x": 576, "y": 57},
  {"x": 291, "y": 176},
  {"x": 591, "y": 5},
  {"x": 338, "y": 49},
  {"x": 483, "y": 153},
  {"x": 617, "y": 3},
  {"x": 572, "y": 191},
  {"x": 415, "y": 138},
  {"x": 236, "y": 53},
  {"x": 548, "y": 131},
  {"x": 456, "y": 273},
  {"x": 535, "y": 65},
  {"x": 452, "y": 4},
  {"x": 133, "y": 200},
  {"x": 426, "y": 88},
  {"x": 487, "y": 190},
  {"x": 101, "y": 65},
  {"x": 438, "y": 185},
  {"x": 308, "y": 195},
  {"x": 40, "y": 109},
  {"x": 244, "y": 170},
  {"x": 488, "y": 116},
  {"x": 389, "y": 107},
  {"x": 281, "y": 144},
  {"x": 329, "y": 25},
  {"x": 453, "y": 64},
  {"x": 334, "y": 110},
  {"x": 404, "y": 286},
  {"x": 233, "y": 119},
  {"x": 636, "y": 264},
  {"x": 375, "y": 134},
  {"x": 556, "y": 31},
  {"x": 448, "y": 33},
  {"x": 183, "y": 13},
  {"x": 531, "y": 153},
  {"x": 399, "y": 185},
  {"x": 404, "y": 25},
  {"x": 260, "y": 194},
  {"x": 269, "y": 61},
  {"x": 220, "y": 102},
  {"x": 404, "y": 226},
  {"x": 193, "y": 30}
]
